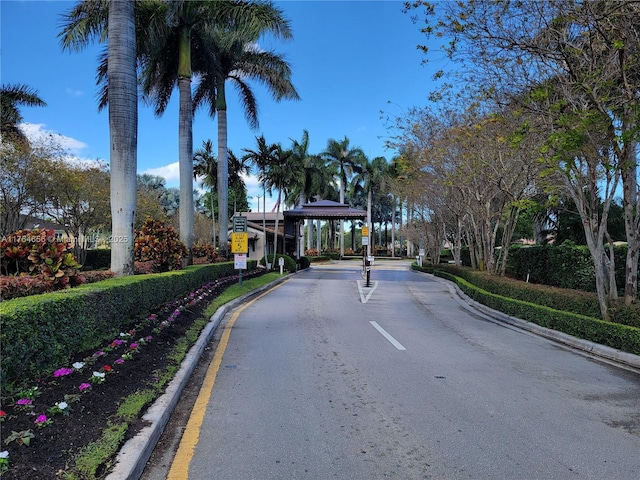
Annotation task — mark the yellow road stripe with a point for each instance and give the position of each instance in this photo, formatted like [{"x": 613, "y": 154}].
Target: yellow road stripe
[{"x": 180, "y": 465}]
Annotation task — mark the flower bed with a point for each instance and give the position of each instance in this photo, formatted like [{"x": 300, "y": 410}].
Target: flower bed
[{"x": 44, "y": 426}]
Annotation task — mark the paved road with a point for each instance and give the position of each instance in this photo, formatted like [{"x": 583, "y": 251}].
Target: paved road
[{"x": 326, "y": 378}]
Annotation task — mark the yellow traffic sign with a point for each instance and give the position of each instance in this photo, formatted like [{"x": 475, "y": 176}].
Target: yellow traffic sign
[
  {"x": 239, "y": 242},
  {"x": 365, "y": 231}
]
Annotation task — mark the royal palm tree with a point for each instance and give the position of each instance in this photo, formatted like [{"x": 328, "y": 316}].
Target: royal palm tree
[
  {"x": 264, "y": 155},
  {"x": 170, "y": 38},
  {"x": 123, "y": 129},
  {"x": 236, "y": 58},
  {"x": 278, "y": 174},
  {"x": 341, "y": 159},
  {"x": 205, "y": 166},
  {"x": 313, "y": 178},
  {"x": 372, "y": 176},
  {"x": 11, "y": 98}
]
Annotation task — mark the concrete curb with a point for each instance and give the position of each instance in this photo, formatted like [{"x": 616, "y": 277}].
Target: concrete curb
[
  {"x": 607, "y": 353},
  {"x": 134, "y": 454}
]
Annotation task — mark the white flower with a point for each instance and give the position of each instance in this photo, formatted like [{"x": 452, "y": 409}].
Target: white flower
[
  {"x": 4, "y": 454},
  {"x": 62, "y": 405},
  {"x": 99, "y": 374},
  {"x": 78, "y": 365}
]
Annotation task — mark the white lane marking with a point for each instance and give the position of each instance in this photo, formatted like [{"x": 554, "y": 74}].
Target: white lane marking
[
  {"x": 386, "y": 335},
  {"x": 365, "y": 298}
]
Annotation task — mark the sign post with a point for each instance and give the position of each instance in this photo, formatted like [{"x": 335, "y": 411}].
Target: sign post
[{"x": 240, "y": 245}]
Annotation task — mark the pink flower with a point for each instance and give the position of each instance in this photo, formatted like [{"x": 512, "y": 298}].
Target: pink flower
[
  {"x": 24, "y": 402},
  {"x": 61, "y": 372},
  {"x": 40, "y": 420},
  {"x": 84, "y": 386},
  {"x": 133, "y": 346},
  {"x": 116, "y": 343},
  {"x": 119, "y": 361}
]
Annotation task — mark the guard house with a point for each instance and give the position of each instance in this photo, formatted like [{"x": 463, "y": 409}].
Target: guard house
[
  {"x": 320, "y": 210},
  {"x": 290, "y": 226}
]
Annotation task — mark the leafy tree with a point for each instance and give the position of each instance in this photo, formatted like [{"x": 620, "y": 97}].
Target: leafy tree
[
  {"x": 77, "y": 197},
  {"x": 23, "y": 175},
  {"x": 579, "y": 62}
]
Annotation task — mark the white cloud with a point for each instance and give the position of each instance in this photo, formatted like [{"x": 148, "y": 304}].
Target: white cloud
[
  {"x": 36, "y": 132},
  {"x": 74, "y": 93},
  {"x": 171, "y": 173}
]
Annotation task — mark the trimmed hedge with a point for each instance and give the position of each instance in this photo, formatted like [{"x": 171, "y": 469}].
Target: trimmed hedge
[
  {"x": 576, "y": 301},
  {"x": 615, "y": 335},
  {"x": 41, "y": 332},
  {"x": 289, "y": 263}
]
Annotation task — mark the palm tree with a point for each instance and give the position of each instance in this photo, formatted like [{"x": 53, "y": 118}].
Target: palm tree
[
  {"x": 372, "y": 176},
  {"x": 262, "y": 157},
  {"x": 123, "y": 128},
  {"x": 169, "y": 32},
  {"x": 206, "y": 167},
  {"x": 278, "y": 174},
  {"x": 11, "y": 97},
  {"x": 313, "y": 179},
  {"x": 342, "y": 159},
  {"x": 237, "y": 167},
  {"x": 236, "y": 58}
]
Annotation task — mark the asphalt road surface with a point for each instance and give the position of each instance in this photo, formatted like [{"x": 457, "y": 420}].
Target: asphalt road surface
[{"x": 324, "y": 377}]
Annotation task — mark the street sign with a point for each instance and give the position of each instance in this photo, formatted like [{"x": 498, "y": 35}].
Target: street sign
[
  {"x": 240, "y": 261},
  {"x": 365, "y": 231},
  {"x": 239, "y": 242},
  {"x": 240, "y": 224}
]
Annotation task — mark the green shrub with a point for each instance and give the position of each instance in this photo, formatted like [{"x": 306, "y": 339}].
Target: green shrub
[
  {"x": 624, "y": 337},
  {"x": 289, "y": 263},
  {"x": 97, "y": 259},
  {"x": 305, "y": 262}
]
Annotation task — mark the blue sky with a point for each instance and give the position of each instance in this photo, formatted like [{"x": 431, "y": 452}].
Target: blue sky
[{"x": 349, "y": 59}]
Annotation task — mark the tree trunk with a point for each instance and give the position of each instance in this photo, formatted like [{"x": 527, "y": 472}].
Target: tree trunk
[
  {"x": 185, "y": 142},
  {"x": 123, "y": 131},
  {"x": 631, "y": 206},
  {"x": 223, "y": 172}
]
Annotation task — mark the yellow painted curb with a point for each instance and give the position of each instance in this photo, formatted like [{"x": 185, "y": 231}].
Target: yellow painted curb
[{"x": 182, "y": 459}]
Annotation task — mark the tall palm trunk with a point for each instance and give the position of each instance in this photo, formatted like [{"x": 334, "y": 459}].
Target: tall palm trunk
[
  {"x": 123, "y": 129},
  {"x": 223, "y": 169},
  {"x": 185, "y": 141}
]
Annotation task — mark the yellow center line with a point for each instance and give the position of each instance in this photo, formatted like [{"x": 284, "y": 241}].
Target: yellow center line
[{"x": 182, "y": 459}]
